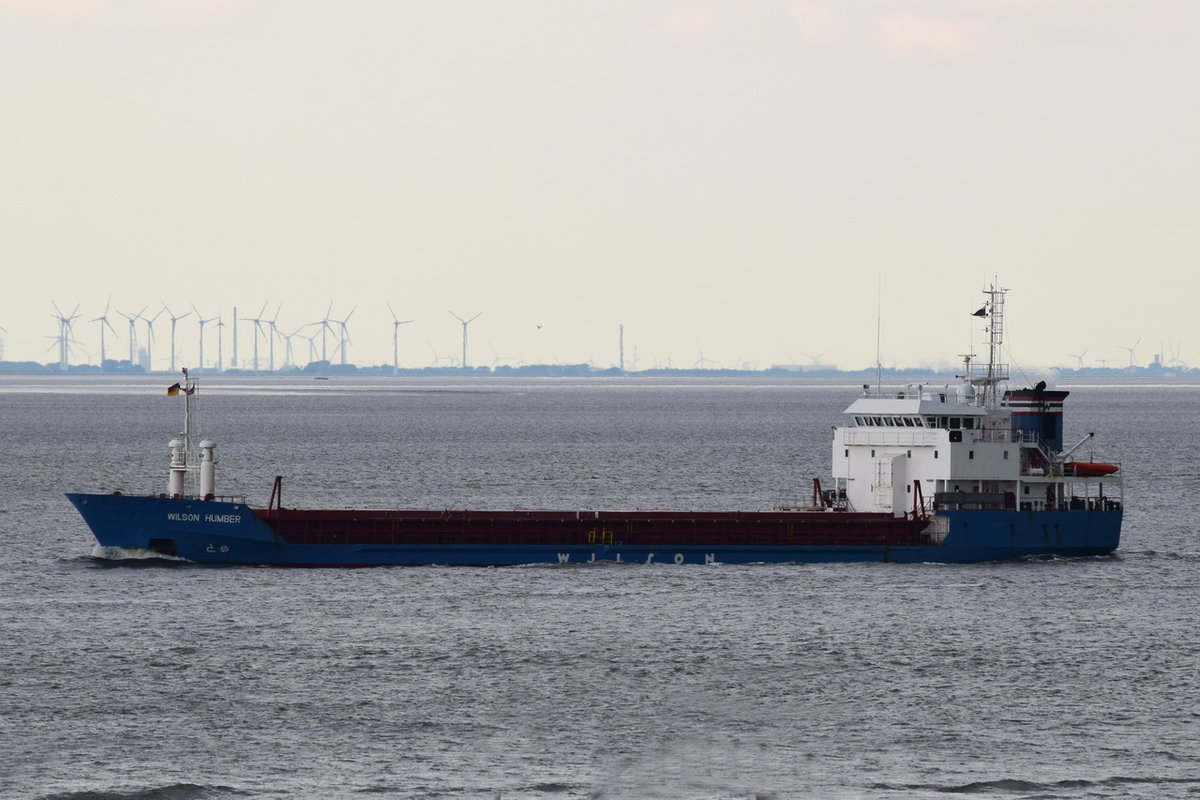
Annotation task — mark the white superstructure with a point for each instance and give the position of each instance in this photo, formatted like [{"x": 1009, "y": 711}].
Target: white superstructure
[{"x": 921, "y": 449}]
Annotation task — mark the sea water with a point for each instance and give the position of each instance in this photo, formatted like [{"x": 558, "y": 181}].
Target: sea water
[{"x": 1066, "y": 678}]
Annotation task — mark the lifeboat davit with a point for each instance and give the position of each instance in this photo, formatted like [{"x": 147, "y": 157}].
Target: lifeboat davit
[{"x": 1090, "y": 469}]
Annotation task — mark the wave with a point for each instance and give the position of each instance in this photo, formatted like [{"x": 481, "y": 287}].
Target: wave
[
  {"x": 1015, "y": 785},
  {"x": 1164, "y": 554},
  {"x": 173, "y": 791},
  {"x": 132, "y": 557}
]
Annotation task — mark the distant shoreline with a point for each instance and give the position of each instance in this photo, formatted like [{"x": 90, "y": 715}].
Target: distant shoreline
[{"x": 328, "y": 370}]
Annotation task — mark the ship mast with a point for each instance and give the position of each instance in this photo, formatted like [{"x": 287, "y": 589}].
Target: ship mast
[
  {"x": 185, "y": 458},
  {"x": 997, "y": 371},
  {"x": 191, "y": 421}
]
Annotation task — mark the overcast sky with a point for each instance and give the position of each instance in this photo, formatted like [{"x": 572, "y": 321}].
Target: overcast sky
[{"x": 745, "y": 181}]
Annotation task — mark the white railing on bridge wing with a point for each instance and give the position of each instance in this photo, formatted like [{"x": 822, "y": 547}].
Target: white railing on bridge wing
[{"x": 1004, "y": 436}]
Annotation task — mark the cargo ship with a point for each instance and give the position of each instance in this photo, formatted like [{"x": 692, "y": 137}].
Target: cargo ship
[{"x": 957, "y": 473}]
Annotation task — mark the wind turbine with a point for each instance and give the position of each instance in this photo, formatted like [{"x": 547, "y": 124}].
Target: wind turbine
[
  {"x": 133, "y": 340},
  {"x": 64, "y": 334},
  {"x": 200, "y": 318},
  {"x": 325, "y": 326},
  {"x": 258, "y": 321},
  {"x": 273, "y": 332},
  {"x": 103, "y": 320},
  {"x": 344, "y": 337},
  {"x": 497, "y": 358},
  {"x": 174, "y": 322},
  {"x": 396, "y": 323},
  {"x": 1130, "y": 349},
  {"x": 815, "y": 361},
  {"x": 288, "y": 353},
  {"x": 1078, "y": 358},
  {"x": 312, "y": 347},
  {"x": 150, "y": 338},
  {"x": 465, "y": 323},
  {"x": 621, "y": 347},
  {"x": 1175, "y": 360},
  {"x": 220, "y": 344},
  {"x": 439, "y": 360}
]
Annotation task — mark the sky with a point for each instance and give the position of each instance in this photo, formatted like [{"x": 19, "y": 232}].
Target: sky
[{"x": 737, "y": 183}]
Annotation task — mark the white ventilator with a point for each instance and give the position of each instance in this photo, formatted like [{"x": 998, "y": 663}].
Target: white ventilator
[
  {"x": 208, "y": 469},
  {"x": 175, "y": 482}
]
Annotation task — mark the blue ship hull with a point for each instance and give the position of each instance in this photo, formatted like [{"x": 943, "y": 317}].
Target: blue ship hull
[
  {"x": 998, "y": 483},
  {"x": 215, "y": 532}
]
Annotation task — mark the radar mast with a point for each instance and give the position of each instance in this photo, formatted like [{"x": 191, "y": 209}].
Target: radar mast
[{"x": 996, "y": 370}]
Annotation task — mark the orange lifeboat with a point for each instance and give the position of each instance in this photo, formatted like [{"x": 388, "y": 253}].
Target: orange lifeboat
[{"x": 1090, "y": 469}]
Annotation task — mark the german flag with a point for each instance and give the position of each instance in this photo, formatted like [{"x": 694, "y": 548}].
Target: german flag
[{"x": 173, "y": 389}]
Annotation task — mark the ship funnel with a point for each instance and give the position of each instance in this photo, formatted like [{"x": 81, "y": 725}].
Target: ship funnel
[
  {"x": 1037, "y": 415},
  {"x": 208, "y": 468}
]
